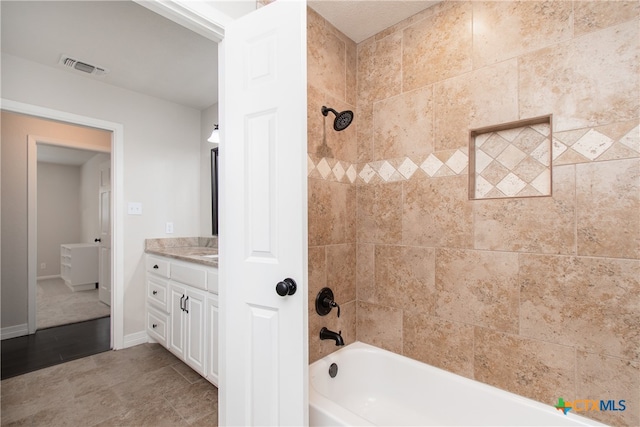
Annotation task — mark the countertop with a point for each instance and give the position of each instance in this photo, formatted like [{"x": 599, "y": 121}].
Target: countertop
[{"x": 189, "y": 249}]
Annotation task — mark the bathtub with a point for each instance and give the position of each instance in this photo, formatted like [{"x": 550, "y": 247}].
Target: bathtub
[{"x": 374, "y": 387}]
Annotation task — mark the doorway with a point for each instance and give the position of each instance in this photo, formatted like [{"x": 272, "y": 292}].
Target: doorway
[{"x": 70, "y": 234}]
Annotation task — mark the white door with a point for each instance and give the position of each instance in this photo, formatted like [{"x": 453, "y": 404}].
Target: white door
[
  {"x": 104, "y": 214},
  {"x": 263, "y": 240}
]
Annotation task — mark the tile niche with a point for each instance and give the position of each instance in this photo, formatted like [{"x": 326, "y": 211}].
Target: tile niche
[{"x": 511, "y": 160}]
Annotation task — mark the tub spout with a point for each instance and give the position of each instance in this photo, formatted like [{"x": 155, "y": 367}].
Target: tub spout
[{"x": 326, "y": 334}]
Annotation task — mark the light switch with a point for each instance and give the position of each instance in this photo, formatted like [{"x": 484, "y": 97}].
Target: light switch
[{"x": 134, "y": 208}]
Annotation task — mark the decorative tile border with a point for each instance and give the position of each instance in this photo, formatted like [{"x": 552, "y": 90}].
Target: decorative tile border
[
  {"x": 616, "y": 141},
  {"x": 442, "y": 163}
]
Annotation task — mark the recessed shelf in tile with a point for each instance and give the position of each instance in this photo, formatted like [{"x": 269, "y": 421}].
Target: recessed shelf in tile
[{"x": 511, "y": 160}]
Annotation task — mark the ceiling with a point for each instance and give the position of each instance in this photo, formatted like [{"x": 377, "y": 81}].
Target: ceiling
[
  {"x": 63, "y": 155},
  {"x": 147, "y": 53},
  {"x": 361, "y": 19}
]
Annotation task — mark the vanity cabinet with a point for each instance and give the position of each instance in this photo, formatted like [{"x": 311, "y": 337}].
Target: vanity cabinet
[
  {"x": 180, "y": 314},
  {"x": 187, "y": 332}
]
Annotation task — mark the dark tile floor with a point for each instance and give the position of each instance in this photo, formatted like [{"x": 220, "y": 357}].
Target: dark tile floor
[{"x": 51, "y": 346}]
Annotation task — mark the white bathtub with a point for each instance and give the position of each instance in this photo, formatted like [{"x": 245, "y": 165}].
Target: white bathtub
[{"x": 375, "y": 387}]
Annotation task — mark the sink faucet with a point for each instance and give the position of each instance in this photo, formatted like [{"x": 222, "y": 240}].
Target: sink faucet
[{"x": 326, "y": 334}]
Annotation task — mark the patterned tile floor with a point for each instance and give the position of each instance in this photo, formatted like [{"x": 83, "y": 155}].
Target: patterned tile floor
[{"x": 143, "y": 385}]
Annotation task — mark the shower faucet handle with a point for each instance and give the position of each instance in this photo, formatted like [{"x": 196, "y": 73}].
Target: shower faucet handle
[
  {"x": 325, "y": 302},
  {"x": 332, "y": 304}
]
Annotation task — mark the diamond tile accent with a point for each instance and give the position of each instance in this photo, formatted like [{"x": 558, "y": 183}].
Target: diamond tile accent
[
  {"x": 457, "y": 162},
  {"x": 482, "y": 161},
  {"x": 482, "y": 187},
  {"x": 541, "y": 153},
  {"x": 352, "y": 174},
  {"x": 338, "y": 171},
  {"x": 367, "y": 173},
  {"x": 386, "y": 171},
  {"x": 632, "y": 139},
  {"x": 431, "y": 165},
  {"x": 542, "y": 183},
  {"x": 324, "y": 168},
  {"x": 558, "y": 148},
  {"x": 511, "y": 185},
  {"x": 511, "y": 156},
  {"x": 310, "y": 165},
  {"x": 592, "y": 144},
  {"x": 407, "y": 168}
]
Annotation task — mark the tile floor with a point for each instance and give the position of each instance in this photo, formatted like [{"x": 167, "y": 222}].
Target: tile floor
[{"x": 143, "y": 385}]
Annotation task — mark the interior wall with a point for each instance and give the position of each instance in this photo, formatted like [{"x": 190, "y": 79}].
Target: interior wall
[
  {"x": 14, "y": 132},
  {"x": 208, "y": 118},
  {"x": 331, "y": 72},
  {"x": 538, "y": 296},
  {"x": 59, "y": 213},
  {"x": 161, "y": 165}
]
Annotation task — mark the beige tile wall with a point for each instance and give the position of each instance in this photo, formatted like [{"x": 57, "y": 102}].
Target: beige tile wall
[
  {"x": 539, "y": 296},
  {"x": 331, "y": 75}
]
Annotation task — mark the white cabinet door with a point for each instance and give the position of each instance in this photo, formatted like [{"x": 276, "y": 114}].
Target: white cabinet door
[
  {"x": 176, "y": 319},
  {"x": 194, "y": 315},
  {"x": 263, "y": 153},
  {"x": 212, "y": 335}
]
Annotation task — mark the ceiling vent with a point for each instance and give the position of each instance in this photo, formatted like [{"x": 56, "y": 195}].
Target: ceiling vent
[{"x": 75, "y": 64}]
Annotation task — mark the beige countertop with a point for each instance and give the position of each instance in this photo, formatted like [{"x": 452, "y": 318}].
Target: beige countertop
[{"x": 191, "y": 249}]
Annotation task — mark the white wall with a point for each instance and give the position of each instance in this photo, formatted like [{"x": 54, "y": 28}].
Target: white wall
[
  {"x": 208, "y": 119},
  {"x": 89, "y": 203},
  {"x": 59, "y": 218},
  {"x": 162, "y": 143}
]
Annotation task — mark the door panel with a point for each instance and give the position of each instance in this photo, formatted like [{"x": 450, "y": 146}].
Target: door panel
[{"x": 263, "y": 233}]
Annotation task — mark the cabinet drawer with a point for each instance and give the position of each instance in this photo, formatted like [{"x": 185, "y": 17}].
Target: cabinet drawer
[
  {"x": 157, "y": 292},
  {"x": 212, "y": 281},
  {"x": 158, "y": 266},
  {"x": 188, "y": 275},
  {"x": 157, "y": 325}
]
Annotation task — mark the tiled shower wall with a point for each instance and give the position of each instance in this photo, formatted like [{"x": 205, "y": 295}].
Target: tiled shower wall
[
  {"x": 539, "y": 296},
  {"x": 331, "y": 76}
]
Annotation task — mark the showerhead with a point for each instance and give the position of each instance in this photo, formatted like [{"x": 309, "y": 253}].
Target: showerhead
[{"x": 343, "y": 119}]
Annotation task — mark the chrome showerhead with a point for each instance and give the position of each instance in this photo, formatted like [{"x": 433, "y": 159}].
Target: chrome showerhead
[{"x": 343, "y": 119}]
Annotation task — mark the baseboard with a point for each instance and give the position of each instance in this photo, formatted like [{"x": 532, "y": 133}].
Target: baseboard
[
  {"x": 135, "y": 339},
  {"x": 14, "y": 331},
  {"x": 55, "y": 276}
]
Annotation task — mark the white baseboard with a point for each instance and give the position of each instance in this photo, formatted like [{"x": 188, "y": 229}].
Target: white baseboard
[
  {"x": 135, "y": 339},
  {"x": 14, "y": 331},
  {"x": 55, "y": 276}
]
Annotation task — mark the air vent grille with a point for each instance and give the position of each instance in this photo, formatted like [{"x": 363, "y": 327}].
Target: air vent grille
[{"x": 75, "y": 64}]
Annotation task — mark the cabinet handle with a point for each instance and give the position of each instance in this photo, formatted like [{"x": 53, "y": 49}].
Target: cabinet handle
[
  {"x": 155, "y": 292},
  {"x": 155, "y": 267},
  {"x": 185, "y": 305},
  {"x": 155, "y": 325},
  {"x": 182, "y": 303}
]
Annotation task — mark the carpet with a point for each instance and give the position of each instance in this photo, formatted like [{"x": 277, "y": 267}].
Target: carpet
[{"x": 58, "y": 305}]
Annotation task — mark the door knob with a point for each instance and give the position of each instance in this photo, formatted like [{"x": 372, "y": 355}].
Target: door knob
[
  {"x": 97, "y": 240},
  {"x": 286, "y": 287}
]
